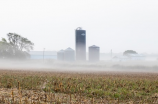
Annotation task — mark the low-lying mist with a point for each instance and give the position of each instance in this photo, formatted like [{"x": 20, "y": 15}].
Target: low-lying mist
[{"x": 102, "y": 66}]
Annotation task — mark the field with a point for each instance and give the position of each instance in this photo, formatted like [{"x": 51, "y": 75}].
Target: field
[{"x": 37, "y": 87}]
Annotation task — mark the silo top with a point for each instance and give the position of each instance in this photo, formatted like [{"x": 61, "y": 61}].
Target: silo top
[
  {"x": 69, "y": 49},
  {"x": 79, "y": 28},
  {"x": 61, "y": 51},
  {"x": 94, "y": 46}
]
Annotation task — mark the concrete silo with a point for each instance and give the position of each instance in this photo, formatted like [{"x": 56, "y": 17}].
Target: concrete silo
[
  {"x": 80, "y": 44},
  {"x": 94, "y": 53},
  {"x": 69, "y": 54},
  {"x": 60, "y": 55}
]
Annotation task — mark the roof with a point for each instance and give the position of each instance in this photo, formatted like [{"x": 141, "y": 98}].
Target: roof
[
  {"x": 61, "y": 51},
  {"x": 41, "y": 52},
  {"x": 120, "y": 57},
  {"x": 79, "y": 28},
  {"x": 135, "y": 55},
  {"x": 94, "y": 46},
  {"x": 69, "y": 49}
]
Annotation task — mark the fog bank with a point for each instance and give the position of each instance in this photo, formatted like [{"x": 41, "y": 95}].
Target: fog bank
[{"x": 102, "y": 66}]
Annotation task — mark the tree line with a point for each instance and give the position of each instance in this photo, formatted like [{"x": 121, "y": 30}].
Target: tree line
[{"x": 15, "y": 47}]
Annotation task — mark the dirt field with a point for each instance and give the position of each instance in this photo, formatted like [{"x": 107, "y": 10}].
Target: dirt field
[{"x": 39, "y": 87}]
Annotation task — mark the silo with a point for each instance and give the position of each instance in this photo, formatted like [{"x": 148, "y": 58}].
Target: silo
[
  {"x": 80, "y": 44},
  {"x": 69, "y": 54},
  {"x": 60, "y": 55},
  {"x": 94, "y": 53}
]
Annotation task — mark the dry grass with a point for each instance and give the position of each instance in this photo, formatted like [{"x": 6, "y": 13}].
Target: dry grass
[{"x": 28, "y": 87}]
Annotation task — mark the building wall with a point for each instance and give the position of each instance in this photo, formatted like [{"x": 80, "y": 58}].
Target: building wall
[
  {"x": 39, "y": 55},
  {"x": 60, "y": 55},
  {"x": 94, "y": 54},
  {"x": 69, "y": 55}
]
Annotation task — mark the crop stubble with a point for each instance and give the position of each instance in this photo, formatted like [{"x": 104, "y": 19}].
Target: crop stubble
[{"x": 26, "y": 87}]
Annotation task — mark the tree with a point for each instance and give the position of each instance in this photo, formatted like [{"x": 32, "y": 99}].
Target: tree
[
  {"x": 5, "y": 49},
  {"x": 20, "y": 42},
  {"x": 16, "y": 47},
  {"x": 127, "y": 52}
]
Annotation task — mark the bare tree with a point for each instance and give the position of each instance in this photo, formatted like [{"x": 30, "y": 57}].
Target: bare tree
[
  {"x": 21, "y": 43},
  {"x": 16, "y": 47}
]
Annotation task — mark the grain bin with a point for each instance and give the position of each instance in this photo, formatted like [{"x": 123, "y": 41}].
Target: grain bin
[
  {"x": 60, "y": 55},
  {"x": 94, "y": 53},
  {"x": 69, "y": 54}
]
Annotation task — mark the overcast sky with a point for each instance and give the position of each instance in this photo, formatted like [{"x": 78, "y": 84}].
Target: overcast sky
[{"x": 111, "y": 24}]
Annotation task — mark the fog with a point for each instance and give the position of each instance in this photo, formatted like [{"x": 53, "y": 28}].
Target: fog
[
  {"x": 113, "y": 25},
  {"x": 57, "y": 66}
]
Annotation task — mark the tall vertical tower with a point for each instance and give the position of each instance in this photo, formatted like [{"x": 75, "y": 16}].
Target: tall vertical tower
[{"x": 80, "y": 44}]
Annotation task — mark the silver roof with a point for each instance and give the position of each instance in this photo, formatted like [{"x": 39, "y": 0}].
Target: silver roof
[
  {"x": 94, "y": 46},
  {"x": 61, "y": 51},
  {"x": 79, "y": 28},
  {"x": 69, "y": 49}
]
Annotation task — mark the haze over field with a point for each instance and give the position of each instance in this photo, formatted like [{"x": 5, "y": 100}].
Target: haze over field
[
  {"x": 103, "y": 66},
  {"x": 116, "y": 25}
]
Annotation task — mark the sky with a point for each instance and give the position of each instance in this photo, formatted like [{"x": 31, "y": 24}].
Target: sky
[{"x": 110, "y": 24}]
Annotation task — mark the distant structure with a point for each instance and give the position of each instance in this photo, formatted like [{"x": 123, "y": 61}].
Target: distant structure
[
  {"x": 38, "y": 55},
  {"x": 94, "y": 52},
  {"x": 80, "y": 44},
  {"x": 129, "y": 57},
  {"x": 69, "y": 54},
  {"x": 60, "y": 55}
]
